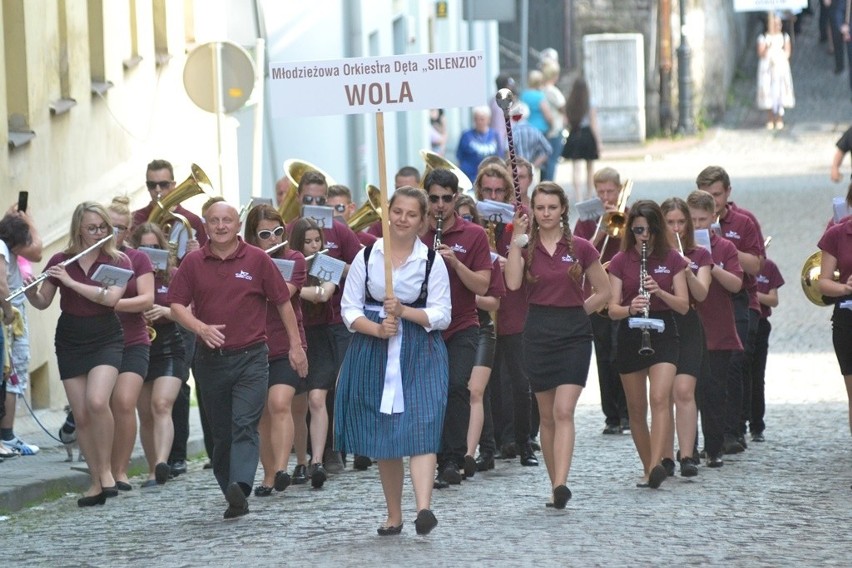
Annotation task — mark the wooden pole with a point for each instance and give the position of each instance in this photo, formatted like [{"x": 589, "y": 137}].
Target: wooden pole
[{"x": 383, "y": 187}]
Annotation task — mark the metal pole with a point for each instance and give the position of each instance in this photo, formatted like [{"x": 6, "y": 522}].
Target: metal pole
[
  {"x": 525, "y": 42},
  {"x": 217, "y": 104},
  {"x": 257, "y": 140},
  {"x": 686, "y": 123}
]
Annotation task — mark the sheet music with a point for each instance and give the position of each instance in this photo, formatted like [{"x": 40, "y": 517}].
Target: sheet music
[
  {"x": 109, "y": 275},
  {"x": 327, "y": 269},
  {"x": 159, "y": 258},
  {"x": 321, "y": 215},
  {"x": 702, "y": 239},
  {"x": 285, "y": 267},
  {"x": 590, "y": 210}
]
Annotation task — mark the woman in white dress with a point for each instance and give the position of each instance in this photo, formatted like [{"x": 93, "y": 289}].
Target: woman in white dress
[{"x": 774, "y": 79}]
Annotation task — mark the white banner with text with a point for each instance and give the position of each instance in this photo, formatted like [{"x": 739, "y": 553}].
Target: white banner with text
[
  {"x": 768, "y": 5},
  {"x": 377, "y": 84}
]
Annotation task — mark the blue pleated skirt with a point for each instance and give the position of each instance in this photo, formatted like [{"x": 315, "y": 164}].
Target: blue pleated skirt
[{"x": 359, "y": 427}]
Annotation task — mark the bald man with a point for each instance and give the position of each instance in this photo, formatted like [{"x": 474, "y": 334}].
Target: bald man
[{"x": 229, "y": 281}]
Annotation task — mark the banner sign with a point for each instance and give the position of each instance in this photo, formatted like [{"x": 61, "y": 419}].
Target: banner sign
[
  {"x": 768, "y": 5},
  {"x": 377, "y": 84}
]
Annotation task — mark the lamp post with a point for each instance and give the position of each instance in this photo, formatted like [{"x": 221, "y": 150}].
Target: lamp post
[{"x": 686, "y": 124}]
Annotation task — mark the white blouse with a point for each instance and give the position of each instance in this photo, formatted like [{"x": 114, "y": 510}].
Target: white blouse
[{"x": 407, "y": 281}]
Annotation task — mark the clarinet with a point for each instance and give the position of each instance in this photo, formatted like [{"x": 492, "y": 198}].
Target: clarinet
[
  {"x": 645, "y": 350},
  {"x": 439, "y": 228}
]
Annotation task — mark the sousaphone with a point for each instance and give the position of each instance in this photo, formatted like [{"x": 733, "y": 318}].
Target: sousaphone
[{"x": 434, "y": 161}]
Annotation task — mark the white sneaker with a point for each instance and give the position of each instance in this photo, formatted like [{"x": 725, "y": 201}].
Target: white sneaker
[{"x": 24, "y": 448}]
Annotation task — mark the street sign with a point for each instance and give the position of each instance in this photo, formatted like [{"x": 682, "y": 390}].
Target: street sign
[
  {"x": 237, "y": 76},
  {"x": 377, "y": 84}
]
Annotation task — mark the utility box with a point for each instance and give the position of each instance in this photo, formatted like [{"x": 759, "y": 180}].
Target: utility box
[{"x": 614, "y": 66}]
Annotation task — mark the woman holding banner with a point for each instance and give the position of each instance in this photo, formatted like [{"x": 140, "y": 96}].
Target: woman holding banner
[{"x": 397, "y": 336}]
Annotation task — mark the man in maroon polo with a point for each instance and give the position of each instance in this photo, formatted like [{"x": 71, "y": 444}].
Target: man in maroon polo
[
  {"x": 464, "y": 248},
  {"x": 228, "y": 284},
  {"x": 743, "y": 233}
]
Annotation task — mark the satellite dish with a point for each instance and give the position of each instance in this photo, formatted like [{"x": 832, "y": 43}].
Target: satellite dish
[{"x": 237, "y": 80}]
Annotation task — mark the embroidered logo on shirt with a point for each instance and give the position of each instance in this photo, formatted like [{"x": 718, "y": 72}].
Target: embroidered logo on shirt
[
  {"x": 693, "y": 265},
  {"x": 163, "y": 289},
  {"x": 732, "y": 235},
  {"x": 661, "y": 269},
  {"x": 762, "y": 279},
  {"x": 458, "y": 248},
  {"x": 331, "y": 245},
  {"x": 567, "y": 258},
  {"x": 244, "y": 275}
]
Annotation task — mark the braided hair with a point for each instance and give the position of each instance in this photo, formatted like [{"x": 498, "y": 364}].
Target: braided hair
[{"x": 551, "y": 188}]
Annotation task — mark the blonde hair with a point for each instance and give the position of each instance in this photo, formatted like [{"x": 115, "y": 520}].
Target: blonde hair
[{"x": 75, "y": 239}]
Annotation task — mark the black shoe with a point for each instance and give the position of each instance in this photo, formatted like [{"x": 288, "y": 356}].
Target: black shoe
[
  {"x": 669, "y": 466},
  {"x": 318, "y": 475},
  {"x": 450, "y": 474},
  {"x": 509, "y": 451},
  {"x": 528, "y": 456},
  {"x": 389, "y": 531},
  {"x": 715, "y": 461},
  {"x": 332, "y": 461},
  {"x": 732, "y": 446},
  {"x": 178, "y": 467},
  {"x": 162, "y": 471},
  {"x": 612, "y": 429},
  {"x": 123, "y": 486},
  {"x": 92, "y": 500},
  {"x": 237, "y": 502},
  {"x": 282, "y": 480},
  {"x": 757, "y": 437},
  {"x": 469, "y": 467},
  {"x": 658, "y": 475},
  {"x": 262, "y": 491},
  {"x": 361, "y": 463},
  {"x": 561, "y": 495},
  {"x": 425, "y": 522},
  {"x": 300, "y": 475},
  {"x": 535, "y": 445},
  {"x": 439, "y": 483},
  {"x": 110, "y": 491},
  {"x": 484, "y": 462},
  {"x": 688, "y": 467},
  {"x": 208, "y": 465},
  {"x": 742, "y": 441}
]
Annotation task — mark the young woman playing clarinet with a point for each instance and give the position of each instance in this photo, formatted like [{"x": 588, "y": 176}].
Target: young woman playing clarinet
[
  {"x": 682, "y": 238},
  {"x": 557, "y": 339},
  {"x": 645, "y": 251}
]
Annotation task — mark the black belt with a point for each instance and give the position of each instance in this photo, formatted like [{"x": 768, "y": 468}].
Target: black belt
[{"x": 231, "y": 352}]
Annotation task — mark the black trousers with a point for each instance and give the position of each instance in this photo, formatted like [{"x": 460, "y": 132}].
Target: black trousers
[
  {"x": 613, "y": 401},
  {"x": 515, "y": 390},
  {"x": 180, "y": 410},
  {"x": 739, "y": 370},
  {"x": 711, "y": 395},
  {"x": 461, "y": 351},
  {"x": 757, "y": 408}
]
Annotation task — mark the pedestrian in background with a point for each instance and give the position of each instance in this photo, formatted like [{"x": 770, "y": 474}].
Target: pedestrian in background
[
  {"x": 583, "y": 144},
  {"x": 774, "y": 79},
  {"x": 556, "y": 100}
]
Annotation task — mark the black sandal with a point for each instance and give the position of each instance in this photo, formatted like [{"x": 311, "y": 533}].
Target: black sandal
[
  {"x": 385, "y": 530},
  {"x": 262, "y": 491}
]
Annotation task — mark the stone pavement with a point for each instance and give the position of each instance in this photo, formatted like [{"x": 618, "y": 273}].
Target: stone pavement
[{"x": 784, "y": 502}]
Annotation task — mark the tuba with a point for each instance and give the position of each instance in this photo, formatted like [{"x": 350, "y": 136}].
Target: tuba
[
  {"x": 163, "y": 214},
  {"x": 434, "y": 161},
  {"x": 290, "y": 207},
  {"x": 810, "y": 275},
  {"x": 369, "y": 212}
]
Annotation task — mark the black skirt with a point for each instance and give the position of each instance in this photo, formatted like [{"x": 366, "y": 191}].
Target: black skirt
[
  {"x": 557, "y": 347},
  {"x": 83, "y": 343},
  {"x": 692, "y": 343},
  {"x": 841, "y": 336},
  {"x": 580, "y": 145},
  {"x": 486, "y": 343},
  {"x": 666, "y": 345},
  {"x": 167, "y": 354}
]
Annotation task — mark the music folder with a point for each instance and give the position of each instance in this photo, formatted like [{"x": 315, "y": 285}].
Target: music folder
[
  {"x": 285, "y": 267},
  {"x": 320, "y": 214},
  {"x": 327, "y": 269},
  {"x": 590, "y": 209},
  {"x": 159, "y": 258},
  {"x": 109, "y": 275}
]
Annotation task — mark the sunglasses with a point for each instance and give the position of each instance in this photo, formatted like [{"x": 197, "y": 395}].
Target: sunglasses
[
  {"x": 340, "y": 208},
  {"x": 160, "y": 184},
  {"x": 639, "y": 230},
  {"x": 446, "y": 198},
  {"x": 267, "y": 234},
  {"x": 310, "y": 200}
]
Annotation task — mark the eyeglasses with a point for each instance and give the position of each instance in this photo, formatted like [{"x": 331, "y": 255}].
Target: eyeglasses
[
  {"x": 160, "y": 184},
  {"x": 639, "y": 230},
  {"x": 493, "y": 191},
  {"x": 446, "y": 198},
  {"x": 267, "y": 234},
  {"x": 310, "y": 200},
  {"x": 95, "y": 229},
  {"x": 340, "y": 208},
  {"x": 158, "y": 247},
  {"x": 119, "y": 228}
]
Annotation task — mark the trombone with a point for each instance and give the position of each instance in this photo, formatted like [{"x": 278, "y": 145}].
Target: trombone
[{"x": 614, "y": 222}]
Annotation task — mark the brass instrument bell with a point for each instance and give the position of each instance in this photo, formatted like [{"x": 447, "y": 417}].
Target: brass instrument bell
[
  {"x": 290, "y": 207},
  {"x": 369, "y": 212},
  {"x": 434, "y": 161},
  {"x": 810, "y": 276}
]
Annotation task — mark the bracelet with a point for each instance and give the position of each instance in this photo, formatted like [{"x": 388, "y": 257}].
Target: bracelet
[
  {"x": 320, "y": 291},
  {"x": 102, "y": 292}
]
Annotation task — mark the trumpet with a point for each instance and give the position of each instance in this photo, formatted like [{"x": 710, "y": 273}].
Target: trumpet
[
  {"x": 439, "y": 229},
  {"x": 43, "y": 276},
  {"x": 645, "y": 349}
]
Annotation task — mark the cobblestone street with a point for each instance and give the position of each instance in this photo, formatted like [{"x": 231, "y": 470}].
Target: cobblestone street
[{"x": 784, "y": 502}]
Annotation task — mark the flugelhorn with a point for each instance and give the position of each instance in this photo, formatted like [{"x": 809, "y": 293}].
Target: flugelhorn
[{"x": 43, "y": 276}]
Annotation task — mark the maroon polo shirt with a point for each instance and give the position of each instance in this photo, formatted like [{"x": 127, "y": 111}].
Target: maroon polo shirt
[
  {"x": 717, "y": 310},
  {"x": 497, "y": 286},
  {"x": 141, "y": 216},
  {"x": 512, "y": 314},
  {"x": 375, "y": 229},
  {"x": 72, "y": 303},
  {"x": 366, "y": 238},
  {"x": 277, "y": 338},
  {"x": 626, "y": 266},
  {"x": 551, "y": 283},
  {"x": 161, "y": 295},
  {"x": 837, "y": 241},
  {"x": 750, "y": 215},
  {"x": 133, "y": 324},
  {"x": 769, "y": 279},
  {"x": 741, "y": 230},
  {"x": 470, "y": 245},
  {"x": 231, "y": 291},
  {"x": 698, "y": 257},
  {"x": 587, "y": 230}
]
